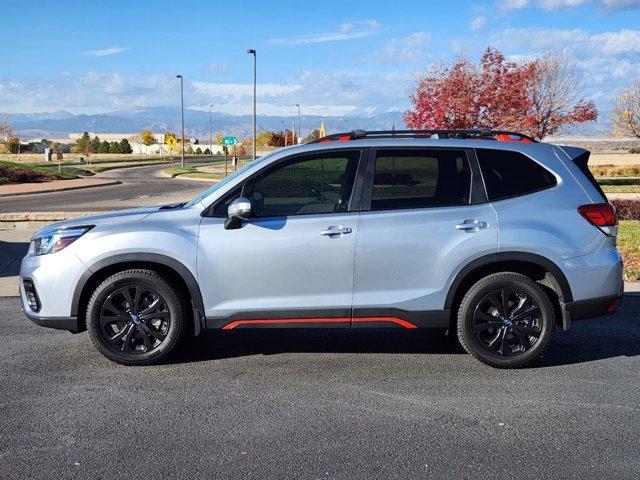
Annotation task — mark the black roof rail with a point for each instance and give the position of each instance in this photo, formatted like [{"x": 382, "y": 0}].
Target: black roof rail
[{"x": 478, "y": 133}]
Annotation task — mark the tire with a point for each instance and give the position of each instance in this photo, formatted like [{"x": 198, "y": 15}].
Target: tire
[
  {"x": 509, "y": 340},
  {"x": 142, "y": 335}
]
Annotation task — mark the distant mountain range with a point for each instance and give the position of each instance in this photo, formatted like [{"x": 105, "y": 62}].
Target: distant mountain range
[{"x": 167, "y": 119}]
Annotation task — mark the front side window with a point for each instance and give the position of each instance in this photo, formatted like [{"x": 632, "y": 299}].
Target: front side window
[
  {"x": 509, "y": 174},
  {"x": 420, "y": 179},
  {"x": 307, "y": 185}
]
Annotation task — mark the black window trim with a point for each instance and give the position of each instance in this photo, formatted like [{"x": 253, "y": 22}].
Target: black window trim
[
  {"x": 356, "y": 192},
  {"x": 553, "y": 173},
  {"x": 477, "y": 195}
]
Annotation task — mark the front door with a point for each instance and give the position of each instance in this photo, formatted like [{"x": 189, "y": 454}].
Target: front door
[{"x": 291, "y": 264}]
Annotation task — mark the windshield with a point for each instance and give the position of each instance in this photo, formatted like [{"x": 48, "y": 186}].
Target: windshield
[{"x": 225, "y": 181}]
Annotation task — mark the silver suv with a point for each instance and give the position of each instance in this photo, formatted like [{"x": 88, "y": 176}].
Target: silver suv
[{"x": 486, "y": 233}]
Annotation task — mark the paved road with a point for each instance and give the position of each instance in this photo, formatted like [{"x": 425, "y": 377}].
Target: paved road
[
  {"x": 140, "y": 186},
  {"x": 260, "y": 405}
]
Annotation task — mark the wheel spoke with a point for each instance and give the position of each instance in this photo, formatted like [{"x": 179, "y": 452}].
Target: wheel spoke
[
  {"x": 496, "y": 303},
  {"x": 127, "y": 296},
  {"x": 148, "y": 345},
  {"x": 119, "y": 313},
  {"x": 494, "y": 341},
  {"x": 528, "y": 330},
  {"x": 121, "y": 333},
  {"x": 483, "y": 327},
  {"x": 136, "y": 300},
  {"x": 503, "y": 342},
  {"x": 126, "y": 346},
  {"x": 153, "y": 306},
  {"x": 505, "y": 293},
  {"x": 532, "y": 311},
  {"x": 159, "y": 315},
  {"x": 153, "y": 332},
  {"x": 480, "y": 315},
  {"x": 522, "y": 337}
]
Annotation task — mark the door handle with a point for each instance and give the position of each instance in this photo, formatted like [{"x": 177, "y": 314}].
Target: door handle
[
  {"x": 331, "y": 231},
  {"x": 471, "y": 225}
]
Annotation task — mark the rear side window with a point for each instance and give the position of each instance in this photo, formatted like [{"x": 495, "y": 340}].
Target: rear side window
[
  {"x": 420, "y": 179},
  {"x": 509, "y": 174}
]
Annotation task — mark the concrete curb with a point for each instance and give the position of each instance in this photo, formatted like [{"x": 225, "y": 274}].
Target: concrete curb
[
  {"x": 63, "y": 189},
  {"x": 183, "y": 176},
  {"x": 35, "y": 220}
]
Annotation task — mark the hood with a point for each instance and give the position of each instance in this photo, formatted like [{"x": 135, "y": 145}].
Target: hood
[{"x": 106, "y": 218}]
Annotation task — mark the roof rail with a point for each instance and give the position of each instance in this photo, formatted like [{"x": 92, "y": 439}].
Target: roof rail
[{"x": 475, "y": 133}]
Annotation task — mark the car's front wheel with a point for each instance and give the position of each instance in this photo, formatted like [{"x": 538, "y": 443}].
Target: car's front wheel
[
  {"x": 136, "y": 317},
  {"x": 506, "y": 320}
]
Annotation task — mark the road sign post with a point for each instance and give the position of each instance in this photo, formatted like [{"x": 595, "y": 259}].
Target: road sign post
[{"x": 227, "y": 142}]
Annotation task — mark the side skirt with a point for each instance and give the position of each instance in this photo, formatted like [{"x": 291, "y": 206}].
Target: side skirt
[{"x": 362, "y": 318}]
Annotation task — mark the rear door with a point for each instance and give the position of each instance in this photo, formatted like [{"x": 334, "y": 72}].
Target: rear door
[{"x": 424, "y": 217}]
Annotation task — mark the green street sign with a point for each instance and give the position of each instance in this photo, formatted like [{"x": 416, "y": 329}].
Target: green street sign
[{"x": 229, "y": 141}]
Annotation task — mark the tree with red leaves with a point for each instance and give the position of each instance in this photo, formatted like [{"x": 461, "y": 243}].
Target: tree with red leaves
[{"x": 536, "y": 97}]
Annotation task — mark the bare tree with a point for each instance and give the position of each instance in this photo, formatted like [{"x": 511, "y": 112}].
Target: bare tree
[
  {"x": 556, "y": 96},
  {"x": 6, "y": 131},
  {"x": 626, "y": 111}
]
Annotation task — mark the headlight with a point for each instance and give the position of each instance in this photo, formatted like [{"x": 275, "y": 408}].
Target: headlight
[{"x": 55, "y": 240}]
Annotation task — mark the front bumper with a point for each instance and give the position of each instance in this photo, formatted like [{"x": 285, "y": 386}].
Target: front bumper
[
  {"x": 61, "y": 323},
  {"x": 51, "y": 279}
]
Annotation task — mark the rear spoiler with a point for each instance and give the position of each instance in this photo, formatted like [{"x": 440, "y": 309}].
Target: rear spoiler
[{"x": 580, "y": 157}]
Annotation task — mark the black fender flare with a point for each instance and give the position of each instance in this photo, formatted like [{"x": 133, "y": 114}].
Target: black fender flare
[
  {"x": 187, "y": 277},
  {"x": 558, "y": 277}
]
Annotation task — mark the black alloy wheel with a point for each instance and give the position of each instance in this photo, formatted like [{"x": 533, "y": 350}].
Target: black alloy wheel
[
  {"x": 506, "y": 320},
  {"x": 136, "y": 317}
]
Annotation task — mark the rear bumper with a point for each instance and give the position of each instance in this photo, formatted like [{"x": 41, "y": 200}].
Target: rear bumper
[{"x": 594, "y": 307}]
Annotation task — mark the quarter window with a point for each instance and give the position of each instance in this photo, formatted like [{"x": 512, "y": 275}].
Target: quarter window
[
  {"x": 420, "y": 179},
  {"x": 509, "y": 174}
]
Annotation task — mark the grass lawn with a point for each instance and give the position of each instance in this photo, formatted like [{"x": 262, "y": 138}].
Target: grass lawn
[
  {"x": 620, "y": 184},
  {"x": 629, "y": 247},
  {"x": 191, "y": 171},
  {"x": 11, "y": 173}
]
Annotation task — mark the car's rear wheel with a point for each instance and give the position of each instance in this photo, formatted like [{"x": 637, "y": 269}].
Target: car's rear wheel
[
  {"x": 506, "y": 320},
  {"x": 136, "y": 317}
]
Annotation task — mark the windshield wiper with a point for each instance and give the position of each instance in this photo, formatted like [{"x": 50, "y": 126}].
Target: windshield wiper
[{"x": 173, "y": 206}]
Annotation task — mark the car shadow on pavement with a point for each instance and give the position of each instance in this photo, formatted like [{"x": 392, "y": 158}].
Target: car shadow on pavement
[
  {"x": 217, "y": 344},
  {"x": 588, "y": 340},
  {"x": 11, "y": 254}
]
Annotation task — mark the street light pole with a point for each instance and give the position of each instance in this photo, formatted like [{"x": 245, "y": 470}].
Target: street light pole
[
  {"x": 284, "y": 134},
  {"x": 299, "y": 131},
  {"x": 210, "y": 131},
  {"x": 182, "y": 113},
  {"x": 252, "y": 51}
]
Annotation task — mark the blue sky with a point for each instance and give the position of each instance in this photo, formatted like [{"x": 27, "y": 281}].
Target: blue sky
[{"x": 334, "y": 58}]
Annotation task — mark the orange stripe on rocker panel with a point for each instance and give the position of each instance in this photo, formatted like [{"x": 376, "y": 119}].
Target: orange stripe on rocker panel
[
  {"x": 234, "y": 324},
  {"x": 397, "y": 321}
]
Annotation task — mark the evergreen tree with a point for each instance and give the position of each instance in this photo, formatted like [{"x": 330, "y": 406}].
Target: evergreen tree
[
  {"x": 125, "y": 146},
  {"x": 95, "y": 145}
]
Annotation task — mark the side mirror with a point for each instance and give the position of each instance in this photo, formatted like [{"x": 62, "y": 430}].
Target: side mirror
[{"x": 239, "y": 210}]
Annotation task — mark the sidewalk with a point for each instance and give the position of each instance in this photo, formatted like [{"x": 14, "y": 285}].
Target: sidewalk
[{"x": 55, "y": 186}]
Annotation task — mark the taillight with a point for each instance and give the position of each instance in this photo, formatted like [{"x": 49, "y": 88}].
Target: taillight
[{"x": 601, "y": 215}]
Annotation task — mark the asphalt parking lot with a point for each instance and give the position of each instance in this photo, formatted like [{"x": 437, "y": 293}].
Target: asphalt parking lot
[{"x": 294, "y": 404}]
